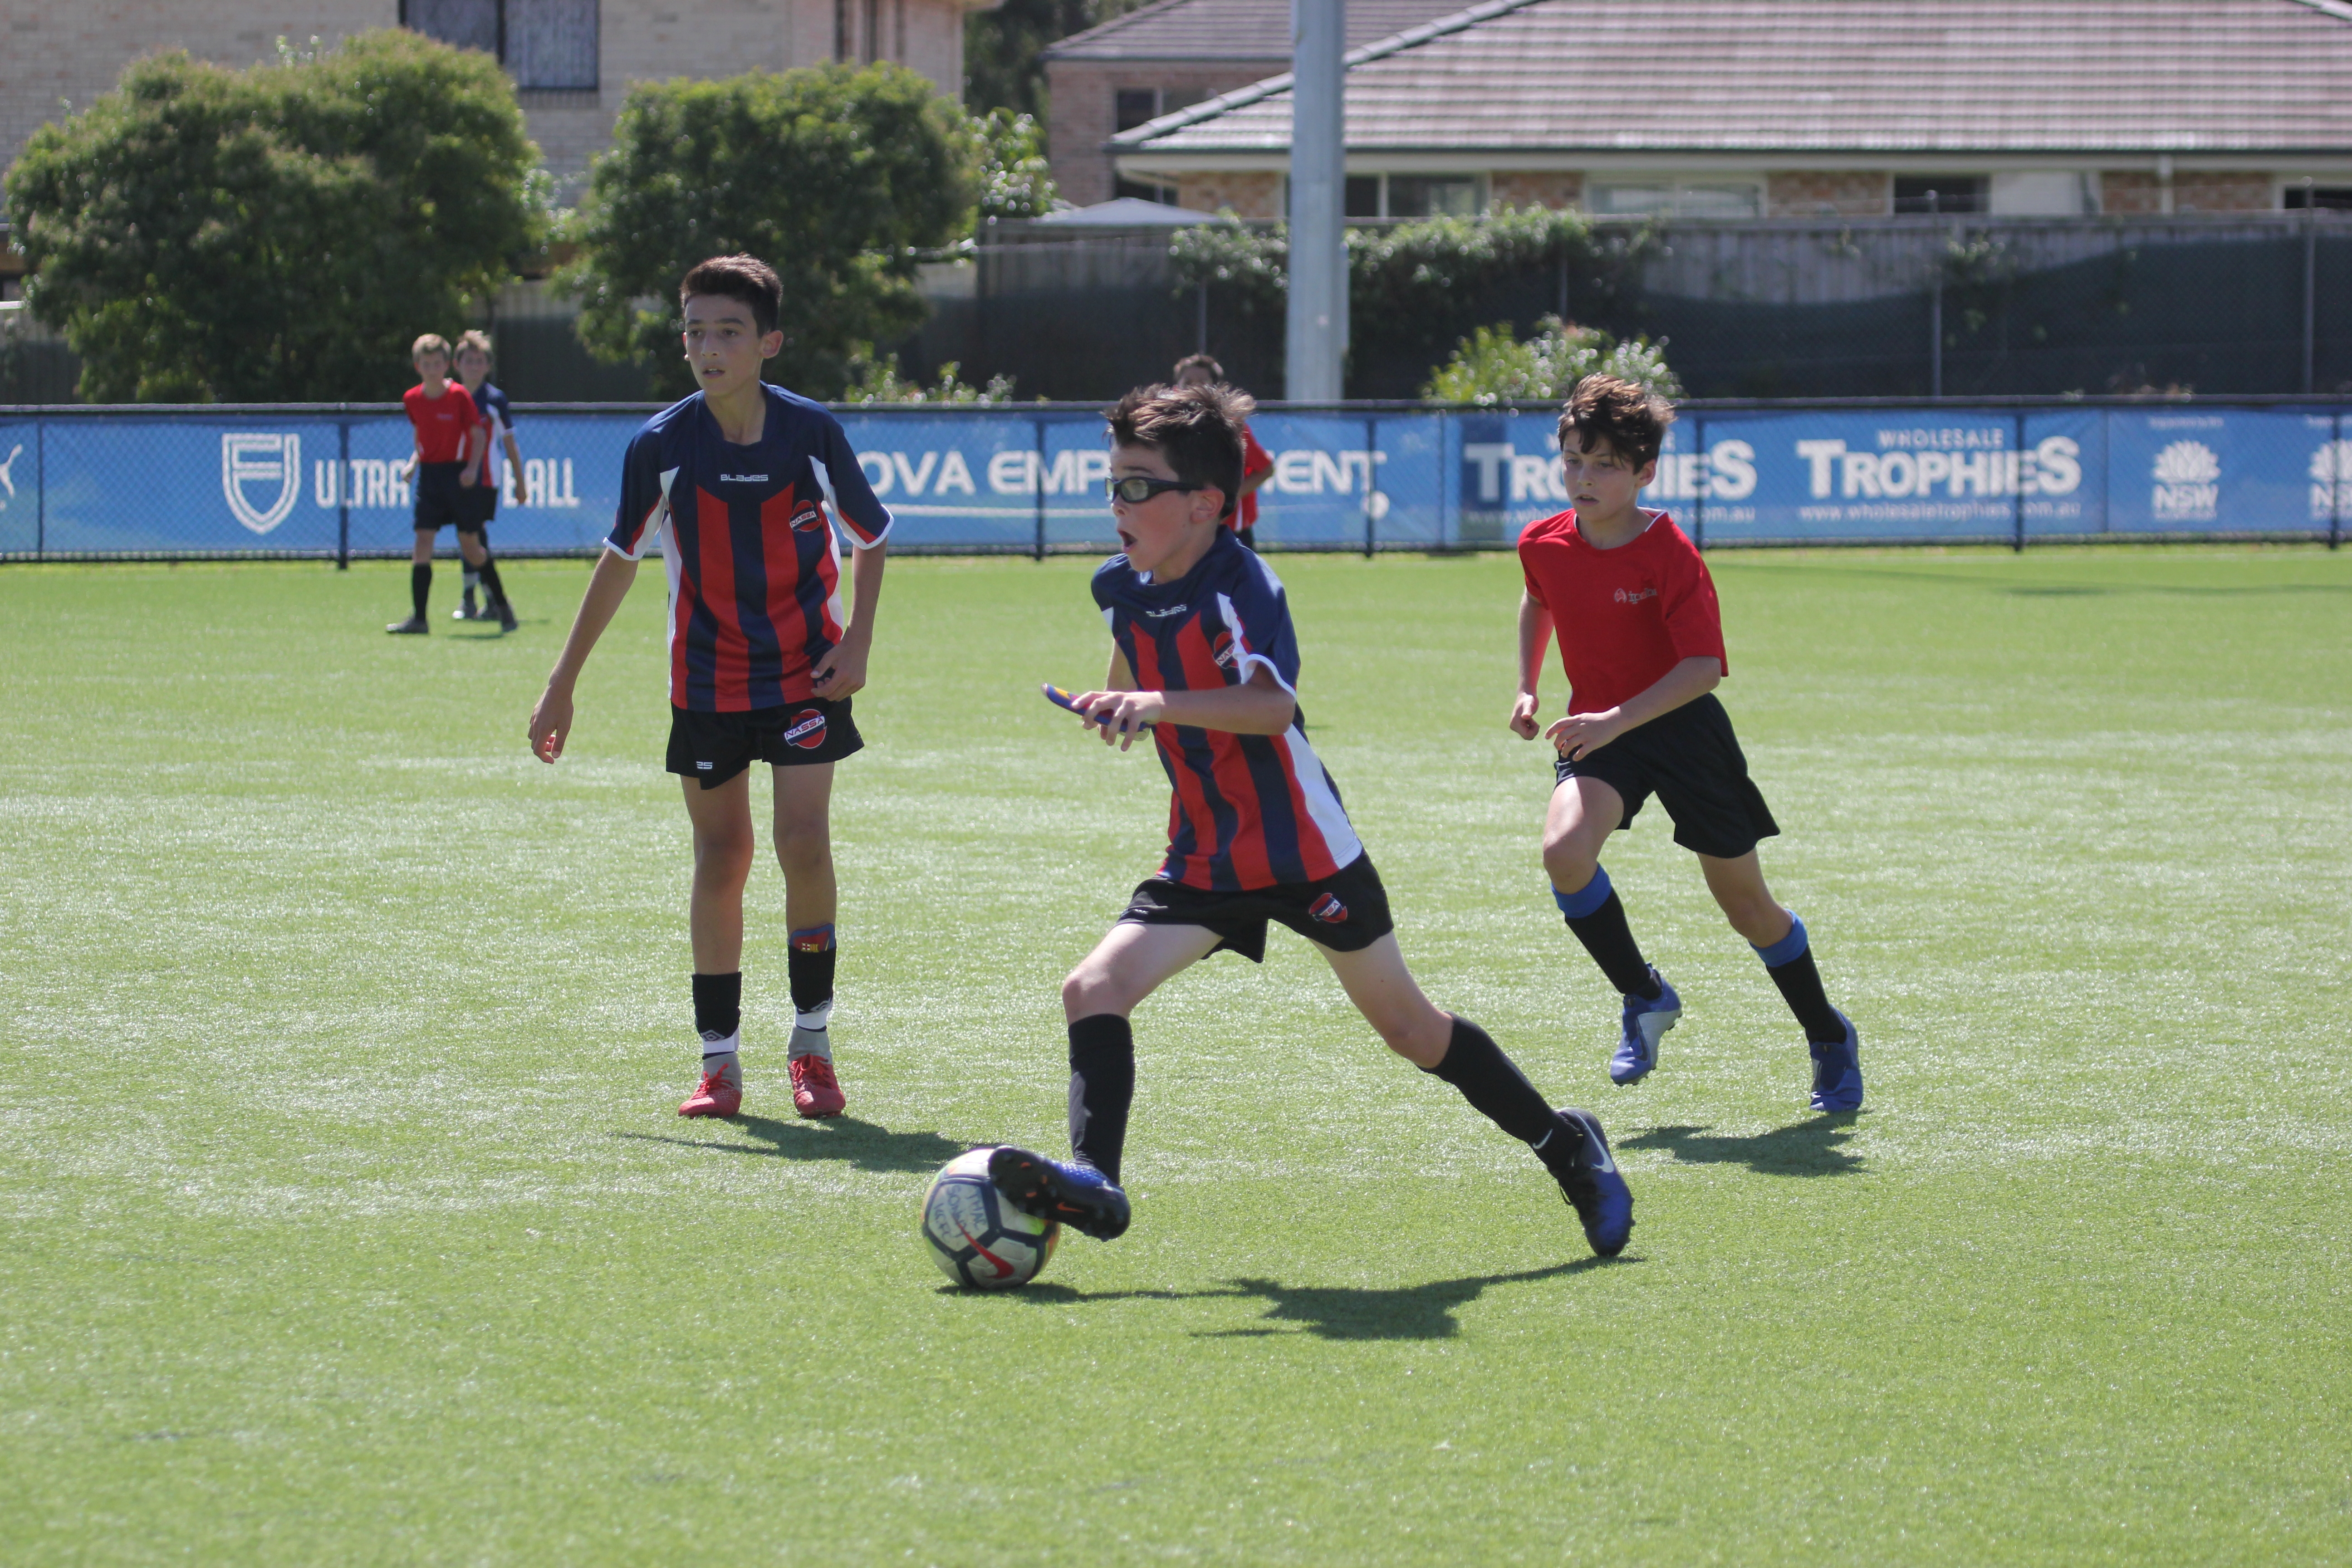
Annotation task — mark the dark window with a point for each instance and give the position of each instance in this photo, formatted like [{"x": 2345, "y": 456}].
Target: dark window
[
  {"x": 2326, "y": 198},
  {"x": 1164, "y": 195},
  {"x": 545, "y": 44},
  {"x": 1942, "y": 193},
  {"x": 1363, "y": 198},
  {"x": 1134, "y": 105},
  {"x": 1433, "y": 195}
]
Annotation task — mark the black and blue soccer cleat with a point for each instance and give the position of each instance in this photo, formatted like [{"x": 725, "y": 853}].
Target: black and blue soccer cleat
[
  {"x": 1837, "y": 1070},
  {"x": 1078, "y": 1195},
  {"x": 1645, "y": 1023},
  {"x": 1588, "y": 1174}
]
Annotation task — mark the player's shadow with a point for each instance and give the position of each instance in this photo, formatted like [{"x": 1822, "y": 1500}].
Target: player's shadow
[
  {"x": 864, "y": 1144},
  {"x": 1813, "y": 1147},
  {"x": 1333, "y": 1311}
]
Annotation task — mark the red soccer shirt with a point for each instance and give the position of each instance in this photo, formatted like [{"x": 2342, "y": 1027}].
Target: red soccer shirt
[
  {"x": 1254, "y": 460},
  {"x": 1623, "y": 617},
  {"x": 441, "y": 422}
]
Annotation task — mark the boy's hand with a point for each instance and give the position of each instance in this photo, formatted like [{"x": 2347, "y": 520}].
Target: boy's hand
[
  {"x": 465, "y": 477},
  {"x": 521, "y": 490},
  {"x": 1523, "y": 715},
  {"x": 1580, "y": 734},
  {"x": 843, "y": 671},
  {"x": 551, "y": 721},
  {"x": 1119, "y": 715}
]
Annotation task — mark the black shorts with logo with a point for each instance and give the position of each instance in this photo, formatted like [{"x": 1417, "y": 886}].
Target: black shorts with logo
[
  {"x": 1347, "y": 911},
  {"x": 441, "y": 499},
  {"x": 1692, "y": 761},
  {"x": 715, "y": 747}
]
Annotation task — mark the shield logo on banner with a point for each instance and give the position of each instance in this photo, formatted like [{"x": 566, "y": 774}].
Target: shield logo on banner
[{"x": 261, "y": 459}]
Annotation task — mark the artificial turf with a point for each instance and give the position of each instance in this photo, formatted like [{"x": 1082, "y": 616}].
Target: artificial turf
[{"x": 348, "y": 1218}]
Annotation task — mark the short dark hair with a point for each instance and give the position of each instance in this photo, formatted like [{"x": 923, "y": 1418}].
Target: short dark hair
[
  {"x": 744, "y": 278},
  {"x": 1197, "y": 428},
  {"x": 1631, "y": 419},
  {"x": 1197, "y": 362}
]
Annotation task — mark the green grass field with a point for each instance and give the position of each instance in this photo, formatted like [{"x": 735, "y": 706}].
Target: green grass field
[{"x": 348, "y": 1220}]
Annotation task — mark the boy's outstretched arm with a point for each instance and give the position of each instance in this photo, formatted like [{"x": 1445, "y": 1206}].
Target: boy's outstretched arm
[
  {"x": 844, "y": 669},
  {"x": 1687, "y": 682},
  {"x": 1535, "y": 635},
  {"x": 550, "y": 719},
  {"x": 1259, "y": 706}
]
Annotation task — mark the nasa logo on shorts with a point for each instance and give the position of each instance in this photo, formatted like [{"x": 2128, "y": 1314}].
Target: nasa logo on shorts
[
  {"x": 1222, "y": 650},
  {"x": 1329, "y": 910},
  {"x": 806, "y": 730},
  {"x": 809, "y": 518}
]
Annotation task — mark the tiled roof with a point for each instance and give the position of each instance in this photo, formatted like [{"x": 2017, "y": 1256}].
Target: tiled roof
[
  {"x": 1224, "y": 30},
  {"x": 1827, "y": 76}
]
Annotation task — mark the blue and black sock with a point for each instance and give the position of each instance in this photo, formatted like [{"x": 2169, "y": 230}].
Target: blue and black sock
[
  {"x": 1789, "y": 963},
  {"x": 1102, "y": 1087},
  {"x": 1598, "y": 919}
]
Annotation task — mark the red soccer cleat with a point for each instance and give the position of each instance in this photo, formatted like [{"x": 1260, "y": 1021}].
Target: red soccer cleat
[
  {"x": 721, "y": 1094},
  {"x": 815, "y": 1092}
]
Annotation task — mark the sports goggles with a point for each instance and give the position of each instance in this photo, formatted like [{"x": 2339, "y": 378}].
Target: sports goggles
[{"x": 1136, "y": 489}]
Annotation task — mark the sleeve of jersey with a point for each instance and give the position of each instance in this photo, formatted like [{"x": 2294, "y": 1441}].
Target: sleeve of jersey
[
  {"x": 1694, "y": 618},
  {"x": 1257, "y": 614},
  {"x": 861, "y": 513},
  {"x": 644, "y": 499},
  {"x": 1528, "y": 573}
]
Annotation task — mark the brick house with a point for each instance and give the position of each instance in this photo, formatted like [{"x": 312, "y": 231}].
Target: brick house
[
  {"x": 573, "y": 60},
  {"x": 1836, "y": 108}
]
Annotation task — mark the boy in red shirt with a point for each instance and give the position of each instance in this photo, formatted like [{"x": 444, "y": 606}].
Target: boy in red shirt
[
  {"x": 444, "y": 418},
  {"x": 1257, "y": 463},
  {"x": 1641, "y": 638}
]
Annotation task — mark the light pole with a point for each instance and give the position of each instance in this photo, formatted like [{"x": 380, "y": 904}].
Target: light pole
[{"x": 1317, "y": 338}]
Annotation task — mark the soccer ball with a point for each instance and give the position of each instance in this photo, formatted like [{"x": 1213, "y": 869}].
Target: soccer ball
[{"x": 975, "y": 1237}]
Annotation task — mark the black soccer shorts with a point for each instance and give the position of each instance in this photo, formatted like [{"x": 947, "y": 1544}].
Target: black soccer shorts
[
  {"x": 440, "y": 498},
  {"x": 1692, "y": 761},
  {"x": 715, "y": 747},
  {"x": 1347, "y": 911},
  {"x": 476, "y": 505}
]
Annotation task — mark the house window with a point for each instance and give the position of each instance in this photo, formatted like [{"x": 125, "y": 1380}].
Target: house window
[
  {"x": 1674, "y": 198},
  {"x": 1942, "y": 193},
  {"x": 1411, "y": 196},
  {"x": 547, "y": 45},
  {"x": 1135, "y": 105},
  {"x": 2326, "y": 198},
  {"x": 1142, "y": 191}
]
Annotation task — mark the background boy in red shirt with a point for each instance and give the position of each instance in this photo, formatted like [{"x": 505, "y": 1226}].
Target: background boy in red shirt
[
  {"x": 1640, "y": 638},
  {"x": 1257, "y": 463},
  {"x": 444, "y": 418}
]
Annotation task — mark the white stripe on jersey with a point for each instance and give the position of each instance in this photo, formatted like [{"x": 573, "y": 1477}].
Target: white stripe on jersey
[
  {"x": 654, "y": 527},
  {"x": 1322, "y": 803},
  {"x": 1243, "y": 658}
]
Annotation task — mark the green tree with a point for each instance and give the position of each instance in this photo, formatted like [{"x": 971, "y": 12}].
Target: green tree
[
  {"x": 1015, "y": 181},
  {"x": 1001, "y": 48},
  {"x": 835, "y": 177},
  {"x": 1492, "y": 365},
  {"x": 205, "y": 235}
]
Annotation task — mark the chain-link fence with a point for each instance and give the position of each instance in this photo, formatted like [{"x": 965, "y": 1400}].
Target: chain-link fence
[{"x": 330, "y": 481}]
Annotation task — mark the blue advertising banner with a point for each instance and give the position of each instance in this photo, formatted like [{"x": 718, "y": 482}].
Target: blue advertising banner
[{"x": 327, "y": 483}]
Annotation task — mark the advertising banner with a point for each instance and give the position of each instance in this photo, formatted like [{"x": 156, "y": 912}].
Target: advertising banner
[{"x": 1030, "y": 480}]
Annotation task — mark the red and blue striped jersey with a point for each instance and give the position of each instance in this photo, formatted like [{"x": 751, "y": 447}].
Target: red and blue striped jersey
[
  {"x": 1249, "y": 811},
  {"x": 755, "y": 567}
]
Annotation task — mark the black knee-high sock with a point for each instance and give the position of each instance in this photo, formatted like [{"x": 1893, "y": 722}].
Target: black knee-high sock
[
  {"x": 1610, "y": 940},
  {"x": 1102, "y": 1086},
  {"x": 489, "y": 574},
  {"x": 1492, "y": 1084},
  {"x": 808, "y": 967},
  {"x": 1789, "y": 963},
  {"x": 420, "y": 585},
  {"x": 718, "y": 1005}
]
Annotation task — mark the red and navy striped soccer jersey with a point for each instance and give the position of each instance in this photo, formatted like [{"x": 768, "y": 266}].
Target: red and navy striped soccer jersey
[
  {"x": 1250, "y": 811},
  {"x": 754, "y": 570}
]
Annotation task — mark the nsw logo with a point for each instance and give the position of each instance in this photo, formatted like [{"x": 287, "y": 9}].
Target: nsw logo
[
  {"x": 1329, "y": 910},
  {"x": 2187, "y": 477},
  {"x": 250, "y": 458},
  {"x": 807, "y": 729}
]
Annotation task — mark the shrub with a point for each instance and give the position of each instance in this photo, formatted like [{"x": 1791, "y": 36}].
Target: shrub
[{"x": 1492, "y": 365}]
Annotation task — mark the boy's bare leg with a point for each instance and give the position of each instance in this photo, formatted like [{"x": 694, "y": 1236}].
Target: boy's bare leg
[
  {"x": 1582, "y": 814},
  {"x": 1738, "y": 888},
  {"x": 1570, "y": 1143},
  {"x": 804, "y": 851},
  {"x": 1129, "y": 963},
  {"x": 721, "y": 818},
  {"x": 1779, "y": 940}
]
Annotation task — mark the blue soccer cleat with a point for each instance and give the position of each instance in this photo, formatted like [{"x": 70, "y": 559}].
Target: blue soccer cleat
[
  {"x": 1645, "y": 1023},
  {"x": 1588, "y": 1174},
  {"x": 1078, "y": 1195},
  {"x": 1837, "y": 1070}
]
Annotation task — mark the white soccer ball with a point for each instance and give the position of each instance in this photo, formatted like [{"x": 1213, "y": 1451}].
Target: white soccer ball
[{"x": 975, "y": 1237}]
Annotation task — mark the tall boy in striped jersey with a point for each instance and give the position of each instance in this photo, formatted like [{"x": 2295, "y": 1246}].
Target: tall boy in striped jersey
[
  {"x": 1204, "y": 655},
  {"x": 733, "y": 482}
]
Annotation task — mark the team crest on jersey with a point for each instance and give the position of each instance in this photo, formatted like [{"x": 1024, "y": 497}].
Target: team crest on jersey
[
  {"x": 809, "y": 518},
  {"x": 1329, "y": 910},
  {"x": 806, "y": 730},
  {"x": 1222, "y": 650}
]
